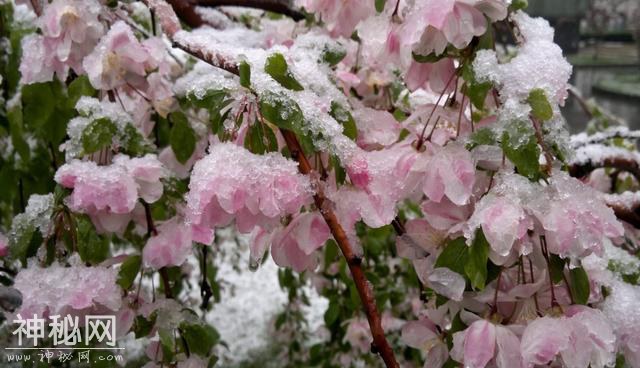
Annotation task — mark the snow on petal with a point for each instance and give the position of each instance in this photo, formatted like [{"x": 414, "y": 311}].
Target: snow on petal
[
  {"x": 61, "y": 290},
  {"x": 231, "y": 182},
  {"x": 543, "y": 339},
  {"x": 503, "y": 223},
  {"x": 447, "y": 283},
  {"x": 451, "y": 173},
  {"x": 169, "y": 247}
]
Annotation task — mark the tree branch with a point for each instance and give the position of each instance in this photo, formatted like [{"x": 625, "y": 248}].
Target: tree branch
[
  {"x": 380, "y": 343},
  {"x": 580, "y": 170},
  {"x": 274, "y": 6},
  {"x": 187, "y": 12}
]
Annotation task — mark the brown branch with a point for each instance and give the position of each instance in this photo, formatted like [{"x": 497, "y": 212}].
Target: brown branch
[
  {"x": 166, "y": 285},
  {"x": 581, "y": 101},
  {"x": 274, "y": 6},
  {"x": 621, "y": 163},
  {"x": 380, "y": 343},
  {"x": 187, "y": 13}
]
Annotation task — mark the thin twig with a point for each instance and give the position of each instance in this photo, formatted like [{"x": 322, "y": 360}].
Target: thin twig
[{"x": 205, "y": 289}]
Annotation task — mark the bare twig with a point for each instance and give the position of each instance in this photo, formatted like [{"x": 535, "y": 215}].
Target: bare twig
[{"x": 274, "y": 6}]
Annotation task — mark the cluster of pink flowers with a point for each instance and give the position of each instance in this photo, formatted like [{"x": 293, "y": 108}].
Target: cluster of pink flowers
[
  {"x": 109, "y": 194},
  {"x": 59, "y": 290},
  {"x": 70, "y": 31},
  {"x": 231, "y": 183},
  {"x": 473, "y": 201},
  {"x": 170, "y": 247}
]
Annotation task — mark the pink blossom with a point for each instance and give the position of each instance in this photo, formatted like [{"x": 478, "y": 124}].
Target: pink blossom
[
  {"x": 4, "y": 245},
  {"x": 445, "y": 215},
  {"x": 432, "y": 24},
  {"x": 578, "y": 221},
  {"x": 147, "y": 172},
  {"x": 376, "y": 129},
  {"x": 451, "y": 173},
  {"x": 294, "y": 246},
  {"x": 170, "y": 247},
  {"x": 340, "y": 17},
  {"x": 503, "y": 222},
  {"x": 70, "y": 30},
  {"x": 422, "y": 334},
  {"x": 109, "y": 193},
  {"x": 484, "y": 342},
  {"x": 419, "y": 239},
  {"x": 232, "y": 183},
  {"x": 120, "y": 59},
  {"x": 180, "y": 170},
  {"x": 581, "y": 339},
  {"x": 358, "y": 335},
  {"x": 436, "y": 75},
  {"x": 61, "y": 290}
]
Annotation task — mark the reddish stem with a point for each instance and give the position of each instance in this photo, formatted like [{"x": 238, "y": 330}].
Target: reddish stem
[{"x": 380, "y": 343}]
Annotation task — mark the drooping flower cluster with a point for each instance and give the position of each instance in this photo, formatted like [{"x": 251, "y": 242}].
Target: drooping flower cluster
[
  {"x": 231, "y": 183},
  {"x": 109, "y": 194},
  {"x": 60, "y": 290}
]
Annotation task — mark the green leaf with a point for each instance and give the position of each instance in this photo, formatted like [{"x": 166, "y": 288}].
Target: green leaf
[
  {"x": 341, "y": 173},
  {"x": 16, "y": 130},
  {"x": 167, "y": 343},
  {"x": 22, "y": 245},
  {"x": 133, "y": 143},
  {"x": 580, "y": 288},
  {"x": 332, "y": 313},
  {"x": 38, "y": 104},
  {"x": 281, "y": 111},
  {"x": 518, "y": 5},
  {"x": 540, "y": 107},
  {"x": 486, "y": 41},
  {"x": 476, "y": 91},
  {"x": 78, "y": 88},
  {"x": 276, "y": 66},
  {"x": 92, "y": 247},
  {"x": 333, "y": 55},
  {"x": 556, "y": 267},
  {"x": 454, "y": 256},
  {"x": 482, "y": 137},
  {"x": 260, "y": 139},
  {"x": 182, "y": 138},
  {"x": 344, "y": 117},
  {"x": 245, "y": 74},
  {"x": 380, "y": 5},
  {"x": 142, "y": 326},
  {"x": 200, "y": 337},
  {"x": 128, "y": 271},
  {"x": 521, "y": 147},
  {"x": 98, "y": 135},
  {"x": 476, "y": 266},
  {"x": 331, "y": 252}
]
